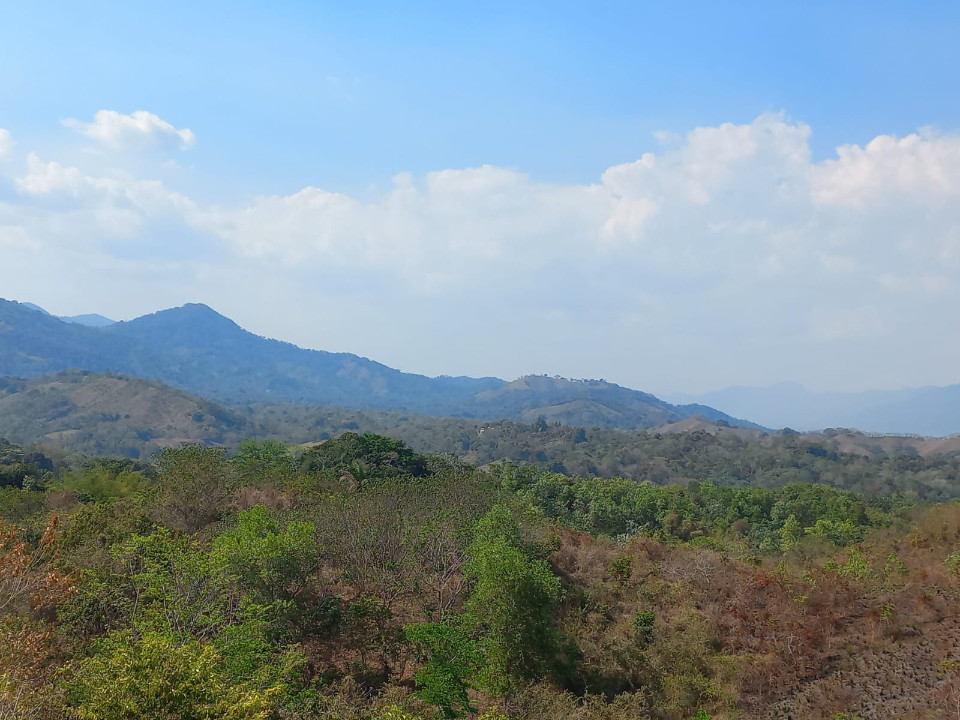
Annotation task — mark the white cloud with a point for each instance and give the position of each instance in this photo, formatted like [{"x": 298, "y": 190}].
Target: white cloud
[
  {"x": 434, "y": 232},
  {"x": 6, "y": 142},
  {"x": 75, "y": 207},
  {"x": 727, "y": 251},
  {"x": 51, "y": 177},
  {"x": 925, "y": 168},
  {"x": 138, "y": 129},
  {"x": 923, "y": 282}
]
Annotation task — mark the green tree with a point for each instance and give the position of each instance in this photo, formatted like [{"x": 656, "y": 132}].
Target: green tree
[
  {"x": 158, "y": 678},
  {"x": 790, "y": 533},
  {"x": 264, "y": 462},
  {"x": 452, "y": 659},
  {"x": 510, "y": 608},
  {"x": 179, "y": 587},
  {"x": 269, "y": 560}
]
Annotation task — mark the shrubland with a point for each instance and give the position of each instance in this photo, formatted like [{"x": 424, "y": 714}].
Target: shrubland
[{"x": 357, "y": 579}]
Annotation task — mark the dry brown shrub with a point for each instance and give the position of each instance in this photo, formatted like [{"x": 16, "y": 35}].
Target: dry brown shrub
[
  {"x": 269, "y": 496},
  {"x": 830, "y": 697},
  {"x": 582, "y": 558},
  {"x": 543, "y": 702},
  {"x": 940, "y": 525},
  {"x": 655, "y": 550},
  {"x": 692, "y": 565},
  {"x": 31, "y": 585},
  {"x": 59, "y": 500}
]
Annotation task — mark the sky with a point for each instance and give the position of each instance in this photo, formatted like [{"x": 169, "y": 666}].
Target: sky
[{"x": 677, "y": 197}]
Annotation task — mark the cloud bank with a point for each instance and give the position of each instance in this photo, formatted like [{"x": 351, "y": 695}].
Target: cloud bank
[{"x": 728, "y": 256}]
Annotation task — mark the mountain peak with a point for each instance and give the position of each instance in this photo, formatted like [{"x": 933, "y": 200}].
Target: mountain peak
[
  {"x": 190, "y": 313},
  {"x": 195, "y": 310}
]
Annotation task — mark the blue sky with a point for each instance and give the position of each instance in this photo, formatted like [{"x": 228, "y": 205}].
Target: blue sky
[{"x": 316, "y": 171}]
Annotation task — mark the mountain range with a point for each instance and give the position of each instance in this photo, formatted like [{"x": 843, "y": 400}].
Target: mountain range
[{"x": 195, "y": 349}]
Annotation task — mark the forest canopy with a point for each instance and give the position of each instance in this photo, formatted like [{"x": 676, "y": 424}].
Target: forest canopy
[{"x": 359, "y": 579}]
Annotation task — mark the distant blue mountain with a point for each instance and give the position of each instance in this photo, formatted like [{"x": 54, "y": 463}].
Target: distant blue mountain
[
  {"x": 90, "y": 319},
  {"x": 198, "y": 350},
  {"x": 931, "y": 411}
]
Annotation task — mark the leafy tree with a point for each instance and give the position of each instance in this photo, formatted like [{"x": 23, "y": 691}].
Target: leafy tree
[
  {"x": 452, "y": 659},
  {"x": 156, "y": 677},
  {"x": 103, "y": 479},
  {"x": 180, "y": 589},
  {"x": 363, "y": 457},
  {"x": 264, "y": 462},
  {"x": 19, "y": 469},
  {"x": 790, "y": 533},
  {"x": 268, "y": 559},
  {"x": 510, "y": 607}
]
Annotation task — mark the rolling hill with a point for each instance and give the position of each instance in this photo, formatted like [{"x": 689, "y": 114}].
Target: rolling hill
[{"x": 109, "y": 414}]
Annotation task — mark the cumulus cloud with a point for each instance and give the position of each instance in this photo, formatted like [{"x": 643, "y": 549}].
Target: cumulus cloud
[
  {"x": 434, "y": 231},
  {"x": 6, "y": 142},
  {"x": 924, "y": 167},
  {"x": 64, "y": 205},
  {"x": 733, "y": 188},
  {"x": 729, "y": 251},
  {"x": 138, "y": 129},
  {"x": 51, "y": 177}
]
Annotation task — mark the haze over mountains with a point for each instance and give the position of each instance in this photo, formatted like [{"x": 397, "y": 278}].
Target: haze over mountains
[
  {"x": 88, "y": 319},
  {"x": 193, "y": 348},
  {"x": 922, "y": 411},
  {"x": 196, "y": 349}
]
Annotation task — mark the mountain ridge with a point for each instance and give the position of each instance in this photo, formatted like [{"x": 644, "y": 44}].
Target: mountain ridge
[{"x": 198, "y": 350}]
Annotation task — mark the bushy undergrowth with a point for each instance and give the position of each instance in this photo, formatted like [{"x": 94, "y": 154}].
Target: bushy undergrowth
[{"x": 361, "y": 581}]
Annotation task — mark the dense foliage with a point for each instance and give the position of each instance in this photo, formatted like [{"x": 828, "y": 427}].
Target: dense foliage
[
  {"x": 360, "y": 580},
  {"x": 116, "y": 415}
]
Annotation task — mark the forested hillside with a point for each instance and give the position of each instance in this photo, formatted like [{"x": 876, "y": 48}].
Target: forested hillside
[
  {"x": 198, "y": 350},
  {"x": 100, "y": 414},
  {"x": 360, "y": 580}
]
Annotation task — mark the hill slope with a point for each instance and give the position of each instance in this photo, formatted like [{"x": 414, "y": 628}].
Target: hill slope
[
  {"x": 198, "y": 350},
  {"x": 111, "y": 414}
]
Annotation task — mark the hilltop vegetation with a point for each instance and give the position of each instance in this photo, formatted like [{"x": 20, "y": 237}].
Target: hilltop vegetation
[{"x": 361, "y": 580}]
